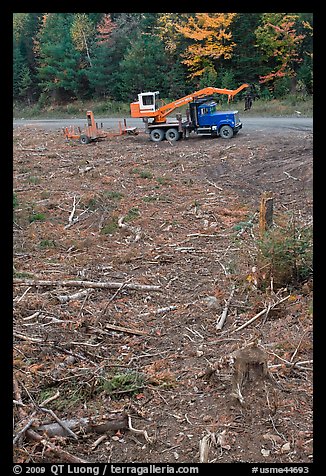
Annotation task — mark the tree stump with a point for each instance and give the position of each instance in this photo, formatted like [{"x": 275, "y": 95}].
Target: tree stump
[
  {"x": 266, "y": 213},
  {"x": 250, "y": 364}
]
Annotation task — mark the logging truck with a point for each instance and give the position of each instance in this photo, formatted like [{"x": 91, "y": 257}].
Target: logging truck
[{"x": 202, "y": 117}]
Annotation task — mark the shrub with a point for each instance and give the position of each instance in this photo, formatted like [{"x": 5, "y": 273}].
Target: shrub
[
  {"x": 146, "y": 174},
  {"x": 110, "y": 194},
  {"x": 36, "y": 217},
  {"x": 123, "y": 382},
  {"x": 132, "y": 214},
  {"x": 34, "y": 180},
  {"x": 47, "y": 244},
  {"x": 285, "y": 254},
  {"x": 110, "y": 227}
]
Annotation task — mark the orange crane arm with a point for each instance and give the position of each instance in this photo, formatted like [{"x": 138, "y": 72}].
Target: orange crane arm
[{"x": 161, "y": 113}]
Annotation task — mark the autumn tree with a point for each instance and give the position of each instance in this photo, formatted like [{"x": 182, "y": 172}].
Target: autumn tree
[
  {"x": 83, "y": 34},
  {"x": 175, "y": 43},
  {"x": 280, "y": 41},
  {"x": 305, "y": 70},
  {"x": 209, "y": 40}
]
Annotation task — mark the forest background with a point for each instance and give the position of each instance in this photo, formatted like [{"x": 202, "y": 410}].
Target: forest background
[{"x": 67, "y": 59}]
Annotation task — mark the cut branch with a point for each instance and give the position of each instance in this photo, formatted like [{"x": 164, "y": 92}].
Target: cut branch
[
  {"x": 125, "y": 329},
  {"x": 142, "y": 432},
  {"x": 86, "y": 284},
  {"x": 221, "y": 321},
  {"x": 58, "y": 451},
  {"x": 72, "y": 213},
  {"x": 74, "y": 297},
  {"x": 266, "y": 310}
]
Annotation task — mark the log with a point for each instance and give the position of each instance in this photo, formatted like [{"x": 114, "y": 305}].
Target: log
[
  {"x": 74, "y": 297},
  {"x": 86, "y": 284}
]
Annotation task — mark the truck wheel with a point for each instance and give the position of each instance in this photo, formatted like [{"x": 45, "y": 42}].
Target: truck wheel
[
  {"x": 226, "y": 132},
  {"x": 84, "y": 139},
  {"x": 157, "y": 135},
  {"x": 172, "y": 134}
]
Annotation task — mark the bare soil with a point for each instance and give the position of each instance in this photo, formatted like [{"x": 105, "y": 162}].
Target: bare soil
[{"x": 183, "y": 217}]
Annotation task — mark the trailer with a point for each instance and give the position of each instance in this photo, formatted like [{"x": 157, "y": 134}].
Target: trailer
[{"x": 93, "y": 132}]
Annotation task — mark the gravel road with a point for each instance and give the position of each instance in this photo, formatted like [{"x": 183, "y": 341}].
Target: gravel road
[{"x": 249, "y": 123}]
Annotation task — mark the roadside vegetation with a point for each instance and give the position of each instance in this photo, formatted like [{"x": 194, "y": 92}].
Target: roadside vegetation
[{"x": 292, "y": 105}]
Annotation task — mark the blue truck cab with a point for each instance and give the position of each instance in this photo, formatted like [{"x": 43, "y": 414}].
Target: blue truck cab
[{"x": 212, "y": 122}]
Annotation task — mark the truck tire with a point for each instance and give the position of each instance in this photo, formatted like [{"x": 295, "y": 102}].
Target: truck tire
[
  {"x": 84, "y": 139},
  {"x": 157, "y": 135},
  {"x": 172, "y": 134},
  {"x": 226, "y": 132}
]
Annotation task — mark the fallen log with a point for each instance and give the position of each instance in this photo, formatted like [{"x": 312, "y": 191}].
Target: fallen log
[
  {"x": 112, "y": 422},
  {"x": 86, "y": 284}
]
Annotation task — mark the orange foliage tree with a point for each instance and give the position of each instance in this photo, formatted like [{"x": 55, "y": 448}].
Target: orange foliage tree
[{"x": 210, "y": 40}]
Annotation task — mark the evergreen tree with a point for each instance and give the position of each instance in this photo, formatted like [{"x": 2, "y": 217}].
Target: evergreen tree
[
  {"x": 25, "y": 86},
  {"x": 116, "y": 33},
  {"x": 143, "y": 68},
  {"x": 18, "y": 66},
  {"x": 25, "y": 27},
  {"x": 100, "y": 74},
  {"x": 176, "y": 81},
  {"x": 246, "y": 62},
  {"x": 59, "y": 69},
  {"x": 209, "y": 77}
]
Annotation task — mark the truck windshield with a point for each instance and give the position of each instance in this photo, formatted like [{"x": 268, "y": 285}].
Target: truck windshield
[{"x": 208, "y": 110}]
